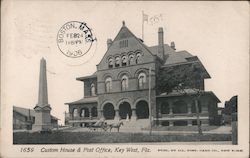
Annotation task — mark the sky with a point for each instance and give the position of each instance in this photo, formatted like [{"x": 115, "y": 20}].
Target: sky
[{"x": 216, "y": 32}]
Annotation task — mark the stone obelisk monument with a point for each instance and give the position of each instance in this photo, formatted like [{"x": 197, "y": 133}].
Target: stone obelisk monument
[{"x": 42, "y": 108}]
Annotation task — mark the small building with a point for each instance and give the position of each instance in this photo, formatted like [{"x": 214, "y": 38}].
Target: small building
[
  {"x": 24, "y": 118},
  {"x": 130, "y": 83}
]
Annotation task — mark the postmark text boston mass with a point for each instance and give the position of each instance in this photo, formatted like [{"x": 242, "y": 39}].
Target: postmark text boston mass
[{"x": 74, "y": 39}]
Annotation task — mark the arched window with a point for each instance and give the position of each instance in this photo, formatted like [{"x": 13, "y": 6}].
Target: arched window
[
  {"x": 117, "y": 61},
  {"x": 108, "y": 84},
  {"x": 93, "y": 89},
  {"x": 138, "y": 58},
  {"x": 83, "y": 113},
  {"x": 131, "y": 59},
  {"x": 75, "y": 113},
  {"x": 142, "y": 80},
  {"x": 110, "y": 61},
  {"x": 124, "y": 82},
  {"x": 124, "y": 60}
]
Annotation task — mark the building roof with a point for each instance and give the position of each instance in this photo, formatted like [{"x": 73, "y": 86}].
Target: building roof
[
  {"x": 87, "y": 77},
  {"x": 188, "y": 92},
  {"x": 167, "y": 49},
  {"x": 25, "y": 112},
  {"x": 177, "y": 57},
  {"x": 84, "y": 100}
]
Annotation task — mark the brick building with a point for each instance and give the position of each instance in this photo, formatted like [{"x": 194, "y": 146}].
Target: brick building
[{"x": 127, "y": 86}]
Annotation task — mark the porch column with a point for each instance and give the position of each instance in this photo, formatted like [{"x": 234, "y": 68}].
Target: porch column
[
  {"x": 117, "y": 116},
  {"x": 100, "y": 113},
  {"x": 170, "y": 108},
  {"x": 133, "y": 116},
  {"x": 90, "y": 114},
  {"x": 71, "y": 115},
  {"x": 78, "y": 113},
  {"x": 189, "y": 105}
]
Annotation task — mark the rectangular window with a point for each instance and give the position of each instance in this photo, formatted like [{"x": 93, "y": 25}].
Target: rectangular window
[{"x": 123, "y": 44}]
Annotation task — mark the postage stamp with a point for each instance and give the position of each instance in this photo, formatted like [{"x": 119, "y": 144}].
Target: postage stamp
[{"x": 74, "y": 39}]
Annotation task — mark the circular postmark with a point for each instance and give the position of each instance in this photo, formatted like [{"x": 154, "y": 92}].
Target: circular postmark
[{"x": 74, "y": 39}]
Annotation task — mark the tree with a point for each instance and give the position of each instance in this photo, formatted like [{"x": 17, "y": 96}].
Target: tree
[{"x": 186, "y": 79}]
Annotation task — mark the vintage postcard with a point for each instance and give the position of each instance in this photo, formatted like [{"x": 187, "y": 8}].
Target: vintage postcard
[{"x": 124, "y": 79}]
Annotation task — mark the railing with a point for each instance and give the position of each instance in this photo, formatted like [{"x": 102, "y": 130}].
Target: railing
[
  {"x": 81, "y": 118},
  {"x": 183, "y": 115}
]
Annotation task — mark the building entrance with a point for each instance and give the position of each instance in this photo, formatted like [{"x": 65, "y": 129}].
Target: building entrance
[
  {"x": 142, "y": 110},
  {"x": 108, "y": 111},
  {"x": 124, "y": 110}
]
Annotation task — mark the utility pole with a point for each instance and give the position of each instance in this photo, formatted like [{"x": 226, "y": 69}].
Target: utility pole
[
  {"x": 198, "y": 117},
  {"x": 149, "y": 100}
]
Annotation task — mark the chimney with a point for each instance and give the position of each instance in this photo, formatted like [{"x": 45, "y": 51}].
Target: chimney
[
  {"x": 109, "y": 42},
  {"x": 172, "y": 45},
  {"x": 160, "y": 43}
]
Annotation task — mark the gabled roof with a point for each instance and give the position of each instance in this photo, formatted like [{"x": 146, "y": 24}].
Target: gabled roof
[
  {"x": 84, "y": 100},
  {"x": 25, "y": 112},
  {"x": 124, "y": 32}
]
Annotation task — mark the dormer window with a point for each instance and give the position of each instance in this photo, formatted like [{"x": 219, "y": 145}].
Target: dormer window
[
  {"x": 93, "y": 89},
  {"x": 123, "y": 44},
  {"x": 124, "y": 61},
  {"x": 110, "y": 61},
  {"x": 117, "y": 61}
]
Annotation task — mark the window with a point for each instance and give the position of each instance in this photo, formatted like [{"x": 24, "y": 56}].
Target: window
[
  {"x": 124, "y": 60},
  {"x": 83, "y": 113},
  {"x": 108, "y": 84},
  {"x": 131, "y": 59},
  {"x": 164, "y": 107},
  {"x": 75, "y": 113},
  {"x": 93, "y": 89},
  {"x": 142, "y": 80},
  {"x": 124, "y": 83},
  {"x": 117, "y": 61},
  {"x": 110, "y": 61},
  {"x": 123, "y": 43},
  {"x": 138, "y": 58}
]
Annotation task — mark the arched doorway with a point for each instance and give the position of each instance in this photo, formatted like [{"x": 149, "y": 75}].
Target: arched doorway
[
  {"x": 124, "y": 110},
  {"x": 142, "y": 110},
  {"x": 180, "y": 107},
  {"x": 108, "y": 111}
]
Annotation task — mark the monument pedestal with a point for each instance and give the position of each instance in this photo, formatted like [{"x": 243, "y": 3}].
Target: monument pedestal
[{"x": 42, "y": 119}]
